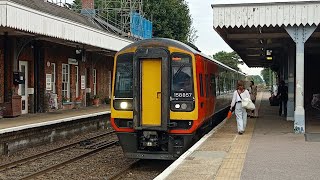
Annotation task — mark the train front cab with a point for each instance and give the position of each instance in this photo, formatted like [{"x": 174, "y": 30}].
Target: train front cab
[{"x": 153, "y": 117}]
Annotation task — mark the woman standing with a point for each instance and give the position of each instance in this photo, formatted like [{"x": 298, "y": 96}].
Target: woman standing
[
  {"x": 241, "y": 113},
  {"x": 253, "y": 95}
]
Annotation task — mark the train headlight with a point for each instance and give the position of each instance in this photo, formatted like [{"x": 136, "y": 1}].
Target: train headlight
[
  {"x": 123, "y": 105},
  {"x": 184, "y": 106}
]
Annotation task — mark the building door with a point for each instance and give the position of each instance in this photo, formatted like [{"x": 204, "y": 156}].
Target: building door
[
  {"x": 23, "y": 88},
  {"x": 86, "y": 87},
  {"x": 151, "y": 92}
]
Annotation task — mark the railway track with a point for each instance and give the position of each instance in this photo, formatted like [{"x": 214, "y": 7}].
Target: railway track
[
  {"x": 51, "y": 168},
  {"x": 86, "y": 145},
  {"x": 123, "y": 171},
  {"x": 140, "y": 169}
]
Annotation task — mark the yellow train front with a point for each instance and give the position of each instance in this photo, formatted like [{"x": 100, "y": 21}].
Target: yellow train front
[{"x": 155, "y": 109}]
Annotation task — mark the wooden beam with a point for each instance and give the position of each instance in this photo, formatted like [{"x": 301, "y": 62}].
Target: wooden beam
[
  {"x": 245, "y": 36},
  {"x": 258, "y": 36},
  {"x": 252, "y": 45}
]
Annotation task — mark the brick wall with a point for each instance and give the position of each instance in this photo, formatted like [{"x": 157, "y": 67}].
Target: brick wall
[
  {"x": 102, "y": 64},
  {"x": 87, "y": 4},
  {"x": 58, "y": 54},
  {"x": 27, "y": 55},
  {"x": 103, "y": 67}
]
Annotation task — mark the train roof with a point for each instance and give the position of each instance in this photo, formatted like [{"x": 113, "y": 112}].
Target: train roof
[{"x": 165, "y": 42}]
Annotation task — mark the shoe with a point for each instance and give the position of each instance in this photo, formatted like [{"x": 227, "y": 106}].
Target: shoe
[{"x": 240, "y": 132}]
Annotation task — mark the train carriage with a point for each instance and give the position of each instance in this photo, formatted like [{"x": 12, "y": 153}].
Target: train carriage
[{"x": 165, "y": 94}]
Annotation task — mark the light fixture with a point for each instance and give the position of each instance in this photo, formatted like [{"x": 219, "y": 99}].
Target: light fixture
[
  {"x": 78, "y": 50},
  {"x": 123, "y": 105},
  {"x": 269, "y": 54}
]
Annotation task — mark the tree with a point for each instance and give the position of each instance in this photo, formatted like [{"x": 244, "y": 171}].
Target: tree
[
  {"x": 265, "y": 75},
  {"x": 231, "y": 59},
  {"x": 170, "y": 18},
  {"x": 192, "y": 35},
  {"x": 257, "y": 79}
]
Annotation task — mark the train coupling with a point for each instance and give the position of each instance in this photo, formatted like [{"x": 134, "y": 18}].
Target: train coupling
[{"x": 149, "y": 139}]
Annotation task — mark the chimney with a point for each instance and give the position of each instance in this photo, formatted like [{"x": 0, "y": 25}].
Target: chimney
[
  {"x": 88, "y": 7},
  {"x": 87, "y": 4}
]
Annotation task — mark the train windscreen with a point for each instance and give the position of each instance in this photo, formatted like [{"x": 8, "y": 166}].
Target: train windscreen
[
  {"x": 124, "y": 76},
  {"x": 181, "y": 76}
]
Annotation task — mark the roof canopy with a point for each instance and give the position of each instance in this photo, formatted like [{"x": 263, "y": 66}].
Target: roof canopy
[
  {"x": 252, "y": 28},
  {"x": 42, "y": 18}
]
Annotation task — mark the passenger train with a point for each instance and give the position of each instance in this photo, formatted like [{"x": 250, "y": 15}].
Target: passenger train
[{"x": 165, "y": 95}]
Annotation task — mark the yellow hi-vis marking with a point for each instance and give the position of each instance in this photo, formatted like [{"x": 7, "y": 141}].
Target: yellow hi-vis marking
[{"x": 151, "y": 92}]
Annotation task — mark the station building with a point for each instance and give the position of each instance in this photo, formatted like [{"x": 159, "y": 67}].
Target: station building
[
  {"x": 52, "y": 57},
  {"x": 285, "y": 37}
]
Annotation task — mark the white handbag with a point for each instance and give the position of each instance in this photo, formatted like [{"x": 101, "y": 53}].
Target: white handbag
[{"x": 248, "y": 104}]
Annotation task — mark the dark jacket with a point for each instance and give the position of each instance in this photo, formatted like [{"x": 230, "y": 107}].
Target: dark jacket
[{"x": 283, "y": 92}]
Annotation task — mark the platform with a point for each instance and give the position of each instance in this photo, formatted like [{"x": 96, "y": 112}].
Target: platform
[
  {"x": 42, "y": 119},
  {"x": 268, "y": 149}
]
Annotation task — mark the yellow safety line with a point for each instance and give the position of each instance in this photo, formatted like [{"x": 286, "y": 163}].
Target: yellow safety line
[{"x": 232, "y": 164}]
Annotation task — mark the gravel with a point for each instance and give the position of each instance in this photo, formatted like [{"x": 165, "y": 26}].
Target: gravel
[{"x": 97, "y": 166}]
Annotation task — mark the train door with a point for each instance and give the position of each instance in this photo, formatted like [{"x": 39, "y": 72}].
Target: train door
[
  {"x": 151, "y": 92},
  {"x": 23, "y": 88},
  {"x": 151, "y": 89}
]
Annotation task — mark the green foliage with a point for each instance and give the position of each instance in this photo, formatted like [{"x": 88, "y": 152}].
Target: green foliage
[
  {"x": 76, "y": 4},
  {"x": 231, "y": 59},
  {"x": 95, "y": 97},
  {"x": 171, "y": 19},
  {"x": 256, "y": 79},
  {"x": 265, "y": 75},
  {"x": 107, "y": 100}
]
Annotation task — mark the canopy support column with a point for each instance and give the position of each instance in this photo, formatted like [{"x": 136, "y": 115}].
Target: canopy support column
[
  {"x": 290, "y": 104},
  {"x": 300, "y": 35}
]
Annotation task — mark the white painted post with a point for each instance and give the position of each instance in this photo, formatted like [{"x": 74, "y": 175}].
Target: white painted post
[
  {"x": 300, "y": 35},
  {"x": 290, "y": 104}
]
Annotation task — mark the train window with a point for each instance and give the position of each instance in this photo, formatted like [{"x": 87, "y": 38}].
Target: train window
[
  {"x": 201, "y": 85},
  {"x": 221, "y": 84},
  {"x": 225, "y": 85},
  {"x": 124, "y": 76},
  {"x": 207, "y": 86},
  {"x": 218, "y": 85},
  {"x": 181, "y": 76},
  {"x": 213, "y": 85}
]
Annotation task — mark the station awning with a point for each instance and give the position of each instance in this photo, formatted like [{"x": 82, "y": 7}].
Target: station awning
[
  {"x": 256, "y": 31},
  {"x": 41, "y": 18}
]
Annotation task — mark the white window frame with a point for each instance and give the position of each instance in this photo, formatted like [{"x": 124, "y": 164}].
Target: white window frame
[
  {"x": 77, "y": 81},
  {"x": 94, "y": 81},
  {"x": 53, "y": 78},
  {"x": 66, "y": 80}
]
